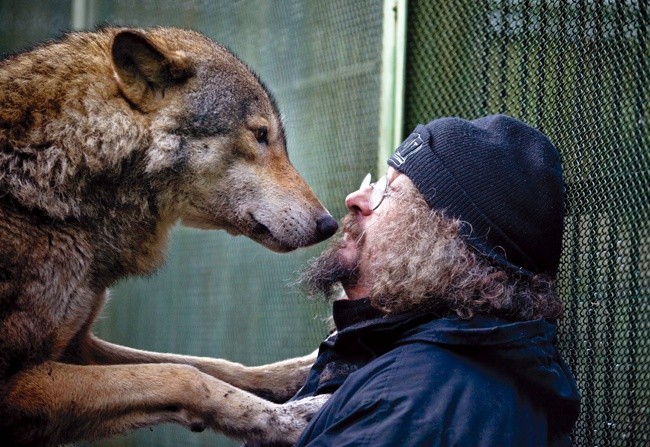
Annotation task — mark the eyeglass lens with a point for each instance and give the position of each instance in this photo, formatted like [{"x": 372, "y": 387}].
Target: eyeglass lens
[{"x": 378, "y": 190}]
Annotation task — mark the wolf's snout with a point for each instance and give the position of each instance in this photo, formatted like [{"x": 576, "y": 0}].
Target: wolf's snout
[{"x": 326, "y": 226}]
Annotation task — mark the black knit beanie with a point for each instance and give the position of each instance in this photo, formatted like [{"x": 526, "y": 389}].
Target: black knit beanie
[{"x": 501, "y": 178}]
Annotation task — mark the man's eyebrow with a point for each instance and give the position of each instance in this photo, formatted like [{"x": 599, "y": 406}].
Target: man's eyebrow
[{"x": 394, "y": 188}]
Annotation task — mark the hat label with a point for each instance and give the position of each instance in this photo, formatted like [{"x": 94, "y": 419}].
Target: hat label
[{"x": 410, "y": 146}]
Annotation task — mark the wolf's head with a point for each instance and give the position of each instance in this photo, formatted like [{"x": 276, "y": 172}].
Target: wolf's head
[{"x": 217, "y": 140}]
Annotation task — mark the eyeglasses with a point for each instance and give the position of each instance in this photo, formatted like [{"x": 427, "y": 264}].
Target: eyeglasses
[{"x": 379, "y": 190}]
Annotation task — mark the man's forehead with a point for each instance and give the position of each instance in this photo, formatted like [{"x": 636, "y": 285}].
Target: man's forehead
[{"x": 392, "y": 174}]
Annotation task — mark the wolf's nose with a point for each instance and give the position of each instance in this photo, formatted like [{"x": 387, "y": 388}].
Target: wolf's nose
[{"x": 325, "y": 227}]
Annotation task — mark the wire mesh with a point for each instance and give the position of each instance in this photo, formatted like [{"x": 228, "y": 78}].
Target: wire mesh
[{"x": 579, "y": 71}]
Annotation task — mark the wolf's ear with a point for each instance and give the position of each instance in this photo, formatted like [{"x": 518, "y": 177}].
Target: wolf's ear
[{"x": 144, "y": 69}]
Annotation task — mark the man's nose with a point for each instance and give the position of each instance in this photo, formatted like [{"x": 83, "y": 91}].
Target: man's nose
[{"x": 359, "y": 201}]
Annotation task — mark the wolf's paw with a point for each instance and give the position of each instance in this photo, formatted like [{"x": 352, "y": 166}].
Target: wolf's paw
[
  {"x": 294, "y": 416},
  {"x": 307, "y": 407}
]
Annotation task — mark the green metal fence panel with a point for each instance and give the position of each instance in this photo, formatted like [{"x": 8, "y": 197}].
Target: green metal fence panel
[
  {"x": 26, "y": 23},
  {"x": 578, "y": 70}
]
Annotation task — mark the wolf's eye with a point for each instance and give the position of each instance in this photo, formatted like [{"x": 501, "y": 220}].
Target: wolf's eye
[{"x": 261, "y": 135}]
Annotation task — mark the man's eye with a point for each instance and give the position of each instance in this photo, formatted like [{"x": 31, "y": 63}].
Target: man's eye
[{"x": 261, "y": 135}]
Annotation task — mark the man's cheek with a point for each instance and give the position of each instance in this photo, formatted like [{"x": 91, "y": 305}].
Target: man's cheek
[{"x": 348, "y": 253}]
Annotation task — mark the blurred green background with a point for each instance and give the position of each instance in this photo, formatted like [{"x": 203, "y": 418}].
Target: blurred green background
[{"x": 577, "y": 69}]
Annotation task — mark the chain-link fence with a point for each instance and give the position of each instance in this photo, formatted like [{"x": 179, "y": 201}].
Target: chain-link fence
[
  {"x": 577, "y": 69},
  {"x": 580, "y": 71}
]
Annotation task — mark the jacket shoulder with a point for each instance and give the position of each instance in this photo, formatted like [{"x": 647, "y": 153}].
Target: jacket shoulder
[{"x": 423, "y": 394}]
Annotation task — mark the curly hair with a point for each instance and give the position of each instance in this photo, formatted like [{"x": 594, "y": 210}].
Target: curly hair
[{"x": 419, "y": 262}]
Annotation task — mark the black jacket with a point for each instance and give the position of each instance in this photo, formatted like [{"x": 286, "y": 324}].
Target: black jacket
[{"x": 418, "y": 380}]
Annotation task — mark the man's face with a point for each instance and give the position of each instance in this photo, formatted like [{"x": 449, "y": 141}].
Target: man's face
[
  {"x": 346, "y": 260},
  {"x": 362, "y": 219}
]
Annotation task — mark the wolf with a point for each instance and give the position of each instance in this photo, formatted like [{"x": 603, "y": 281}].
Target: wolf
[{"x": 107, "y": 139}]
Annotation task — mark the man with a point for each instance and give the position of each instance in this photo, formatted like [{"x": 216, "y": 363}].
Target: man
[{"x": 446, "y": 332}]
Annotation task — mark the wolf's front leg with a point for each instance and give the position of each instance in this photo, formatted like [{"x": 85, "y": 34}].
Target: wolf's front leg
[
  {"x": 277, "y": 382},
  {"x": 56, "y": 403}
]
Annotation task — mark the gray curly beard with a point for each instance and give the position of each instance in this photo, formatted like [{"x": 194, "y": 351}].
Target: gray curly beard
[{"x": 326, "y": 273}]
